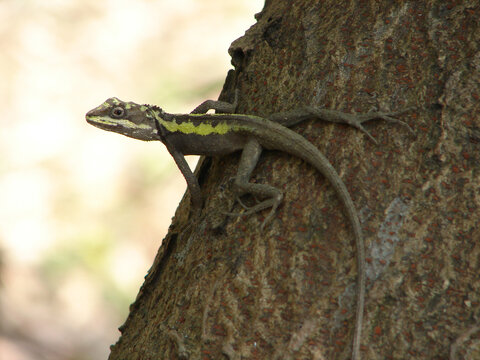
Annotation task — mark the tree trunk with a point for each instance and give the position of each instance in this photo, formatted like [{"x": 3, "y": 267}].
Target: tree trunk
[{"x": 221, "y": 287}]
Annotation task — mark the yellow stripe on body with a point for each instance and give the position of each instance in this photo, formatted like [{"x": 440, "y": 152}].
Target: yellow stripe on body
[{"x": 204, "y": 128}]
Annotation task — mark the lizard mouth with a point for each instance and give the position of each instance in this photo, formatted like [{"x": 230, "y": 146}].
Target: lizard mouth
[
  {"x": 122, "y": 126},
  {"x": 101, "y": 122}
]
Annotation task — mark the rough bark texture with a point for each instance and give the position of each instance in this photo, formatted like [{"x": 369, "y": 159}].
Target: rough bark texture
[{"x": 221, "y": 288}]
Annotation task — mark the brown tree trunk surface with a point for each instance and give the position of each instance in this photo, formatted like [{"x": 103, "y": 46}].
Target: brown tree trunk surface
[{"x": 220, "y": 288}]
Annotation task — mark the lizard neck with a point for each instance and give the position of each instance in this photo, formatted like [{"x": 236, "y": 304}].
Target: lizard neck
[{"x": 157, "y": 115}]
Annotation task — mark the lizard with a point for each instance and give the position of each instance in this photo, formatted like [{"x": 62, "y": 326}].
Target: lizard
[{"x": 224, "y": 132}]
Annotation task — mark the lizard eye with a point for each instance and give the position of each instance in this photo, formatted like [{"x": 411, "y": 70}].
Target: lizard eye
[{"x": 118, "y": 112}]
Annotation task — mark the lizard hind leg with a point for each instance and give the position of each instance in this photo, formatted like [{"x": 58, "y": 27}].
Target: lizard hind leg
[
  {"x": 273, "y": 197},
  {"x": 357, "y": 120}
]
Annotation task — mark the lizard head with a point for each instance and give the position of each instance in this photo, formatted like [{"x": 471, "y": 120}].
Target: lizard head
[{"x": 126, "y": 118}]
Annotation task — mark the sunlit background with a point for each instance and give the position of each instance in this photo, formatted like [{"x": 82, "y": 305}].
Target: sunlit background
[{"x": 83, "y": 211}]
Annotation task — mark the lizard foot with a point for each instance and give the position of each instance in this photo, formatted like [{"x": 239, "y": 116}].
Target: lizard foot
[
  {"x": 356, "y": 120},
  {"x": 269, "y": 203}
]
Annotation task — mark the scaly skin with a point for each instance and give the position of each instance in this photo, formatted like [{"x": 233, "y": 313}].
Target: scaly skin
[{"x": 199, "y": 133}]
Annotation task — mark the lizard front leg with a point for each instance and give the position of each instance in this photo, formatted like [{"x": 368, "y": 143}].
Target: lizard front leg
[
  {"x": 192, "y": 181},
  {"x": 218, "y": 106},
  {"x": 190, "y": 178}
]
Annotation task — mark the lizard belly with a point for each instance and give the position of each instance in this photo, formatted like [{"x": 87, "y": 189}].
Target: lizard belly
[{"x": 210, "y": 145}]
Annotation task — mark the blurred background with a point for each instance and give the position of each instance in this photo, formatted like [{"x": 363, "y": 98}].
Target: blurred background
[{"x": 83, "y": 211}]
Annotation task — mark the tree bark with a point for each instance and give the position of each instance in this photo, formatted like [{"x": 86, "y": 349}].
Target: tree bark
[{"x": 220, "y": 287}]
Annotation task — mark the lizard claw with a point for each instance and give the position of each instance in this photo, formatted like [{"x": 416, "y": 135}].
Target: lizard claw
[
  {"x": 269, "y": 203},
  {"x": 360, "y": 127},
  {"x": 388, "y": 117},
  {"x": 357, "y": 120}
]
